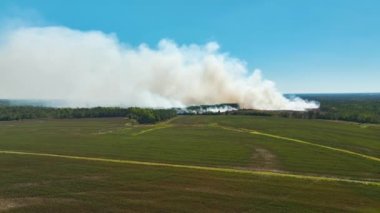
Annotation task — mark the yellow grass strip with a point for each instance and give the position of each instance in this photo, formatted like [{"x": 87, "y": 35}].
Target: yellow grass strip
[
  {"x": 317, "y": 145},
  {"x": 203, "y": 168},
  {"x": 300, "y": 141}
]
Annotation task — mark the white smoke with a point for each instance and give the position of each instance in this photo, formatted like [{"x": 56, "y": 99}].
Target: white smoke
[
  {"x": 220, "y": 109},
  {"x": 95, "y": 69},
  {"x": 206, "y": 109}
]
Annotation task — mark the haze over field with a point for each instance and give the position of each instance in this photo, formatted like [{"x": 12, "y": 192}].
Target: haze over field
[{"x": 91, "y": 68}]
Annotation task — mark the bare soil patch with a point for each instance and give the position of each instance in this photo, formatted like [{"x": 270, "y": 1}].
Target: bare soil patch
[
  {"x": 263, "y": 159},
  {"x": 14, "y": 203}
]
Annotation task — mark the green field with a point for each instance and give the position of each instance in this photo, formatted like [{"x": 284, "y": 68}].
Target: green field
[{"x": 189, "y": 164}]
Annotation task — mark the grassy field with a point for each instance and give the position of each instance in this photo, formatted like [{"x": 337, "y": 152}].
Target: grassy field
[{"x": 191, "y": 163}]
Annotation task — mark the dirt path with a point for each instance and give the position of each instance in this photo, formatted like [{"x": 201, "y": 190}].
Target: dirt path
[
  {"x": 203, "y": 168},
  {"x": 152, "y": 129}
]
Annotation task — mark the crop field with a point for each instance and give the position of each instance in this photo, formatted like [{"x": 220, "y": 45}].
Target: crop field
[{"x": 215, "y": 163}]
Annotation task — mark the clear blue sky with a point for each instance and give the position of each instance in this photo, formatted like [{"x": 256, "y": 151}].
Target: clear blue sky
[{"x": 302, "y": 45}]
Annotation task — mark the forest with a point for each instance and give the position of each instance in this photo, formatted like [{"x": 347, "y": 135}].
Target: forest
[{"x": 362, "y": 108}]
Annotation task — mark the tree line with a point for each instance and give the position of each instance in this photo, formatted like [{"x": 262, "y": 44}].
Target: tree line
[
  {"x": 362, "y": 108},
  {"x": 141, "y": 115}
]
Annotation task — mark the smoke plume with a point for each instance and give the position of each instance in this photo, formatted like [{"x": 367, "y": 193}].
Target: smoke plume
[{"x": 94, "y": 69}]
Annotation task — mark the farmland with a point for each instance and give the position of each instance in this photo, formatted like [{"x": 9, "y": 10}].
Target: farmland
[{"x": 189, "y": 163}]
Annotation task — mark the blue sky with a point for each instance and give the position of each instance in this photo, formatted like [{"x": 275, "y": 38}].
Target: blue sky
[{"x": 303, "y": 46}]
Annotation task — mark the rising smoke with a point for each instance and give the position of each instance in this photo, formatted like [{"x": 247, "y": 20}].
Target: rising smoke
[{"x": 95, "y": 69}]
